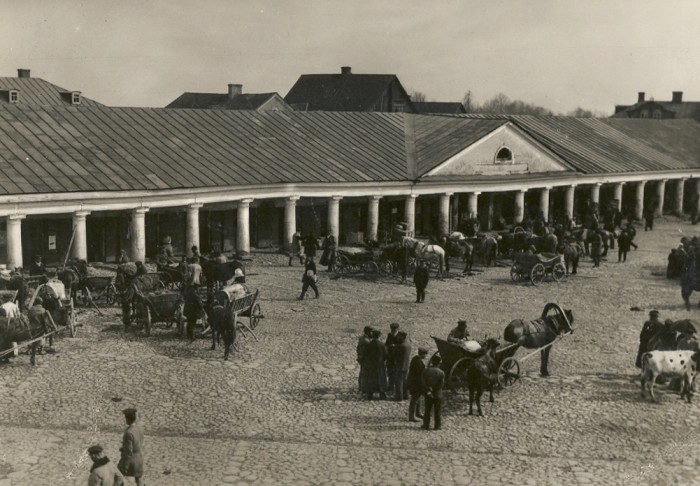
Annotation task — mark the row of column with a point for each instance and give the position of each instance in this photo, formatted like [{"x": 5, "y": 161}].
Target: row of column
[{"x": 138, "y": 232}]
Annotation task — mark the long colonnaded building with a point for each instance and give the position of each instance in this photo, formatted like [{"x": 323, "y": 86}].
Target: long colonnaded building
[{"x": 122, "y": 178}]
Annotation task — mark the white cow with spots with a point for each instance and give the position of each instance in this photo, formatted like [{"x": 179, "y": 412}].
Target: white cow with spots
[{"x": 677, "y": 364}]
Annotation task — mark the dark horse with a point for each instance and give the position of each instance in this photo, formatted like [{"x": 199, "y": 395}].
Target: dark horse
[
  {"x": 222, "y": 325},
  {"x": 218, "y": 273},
  {"x": 138, "y": 285},
  {"x": 73, "y": 276},
  {"x": 540, "y": 332},
  {"x": 458, "y": 249},
  {"x": 690, "y": 278},
  {"x": 482, "y": 375},
  {"x": 17, "y": 282}
]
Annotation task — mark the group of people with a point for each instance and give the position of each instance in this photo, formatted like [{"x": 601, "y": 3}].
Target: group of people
[
  {"x": 387, "y": 367},
  {"x": 104, "y": 472}
]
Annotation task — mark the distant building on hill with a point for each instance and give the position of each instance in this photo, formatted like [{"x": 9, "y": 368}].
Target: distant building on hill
[{"x": 659, "y": 110}]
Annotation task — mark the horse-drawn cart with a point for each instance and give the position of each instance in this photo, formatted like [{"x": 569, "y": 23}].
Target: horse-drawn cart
[
  {"x": 456, "y": 361},
  {"x": 161, "y": 306},
  {"x": 362, "y": 260},
  {"x": 537, "y": 266},
  {"x": 56, "y": 301},
  {"x": 244, "y": 303}
]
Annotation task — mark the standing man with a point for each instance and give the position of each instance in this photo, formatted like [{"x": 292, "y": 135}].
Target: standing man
[
  {"x": 362, "y": 343},
  {"x": 330, "y": 247},
  {"x": 131, "y": 462},
  {"x": 420, "y": 279},
  {"x": 434, "y": 381},
  {"x": 194, "y": 308},
  {"x": 649, "y": 217},
  {"x": 415, "y": 383},
  {"x": 374, "y": 379},
  {"x": 391, "y": 342},
  {"x": 623, "y": 246},
  {"x": 103, "y": 472},
  {"x": 402, "y": 359},
  {"x": 650, "y": 328},
  {"x": 310, "y": 246},
  {"x": 309, "y": 278},
  {"x": 37, "y": 267}
]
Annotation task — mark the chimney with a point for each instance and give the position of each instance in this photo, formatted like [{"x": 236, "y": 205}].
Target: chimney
[
  {"x": 677, "y": 97},
  {"x": 234, "y": 90},
  {"x": 23, "y": 73},
  {"x": 346, "y": 70},
  {"x": 640, "y": 97}
]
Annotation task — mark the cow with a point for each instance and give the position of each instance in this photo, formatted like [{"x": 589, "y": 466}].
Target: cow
[{"x": 682, "y": 364}]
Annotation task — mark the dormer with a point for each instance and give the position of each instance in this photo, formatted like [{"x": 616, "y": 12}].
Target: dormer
[
  {"x": 75, "y": 98},
  {"x": 13, "y": 96}
]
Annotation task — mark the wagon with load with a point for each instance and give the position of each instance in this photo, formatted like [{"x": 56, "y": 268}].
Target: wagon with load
[{"x": 536, "y": 267}]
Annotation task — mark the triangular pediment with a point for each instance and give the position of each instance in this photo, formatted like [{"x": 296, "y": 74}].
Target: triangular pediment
[{"x": 505, "y": 151}]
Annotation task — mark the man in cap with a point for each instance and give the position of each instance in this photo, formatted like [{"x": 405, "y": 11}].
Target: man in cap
[
  {"x": 650, "y": 328},
  {"x": 362, "y": 343},
  {"x": 103, "y": 471},
  {"x": 434, "y": 381},
  {"x": 459, "y": 334},
  {"x": 402, "y": 359},
  {"x": 131, "y": 462},
  {"x": 392, "y": 340},
  {"x": 420, "y": 279},
  {"x": 414, "y": 383}
]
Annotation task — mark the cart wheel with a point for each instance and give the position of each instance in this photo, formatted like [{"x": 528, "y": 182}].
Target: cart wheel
[
  {"x": 515, "y": 273},
  {"x": 558, "y": 272},
  {"x": 255, "y": 316},
  {"x": 111, "y": 294},
  {"x": 341, "y": 261},
  {"x": 370, "y": 267},
  {"x": 458, "y": 375},
  {"x": 537, "y": 274},
  {"x": 147, "y": 320},
  {"x": 386, "y": 267},
  {"x": 72, "y": 320},
  {"x": 508, "y": 372}
]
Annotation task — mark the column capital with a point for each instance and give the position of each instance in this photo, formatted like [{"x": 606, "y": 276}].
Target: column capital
[
  {"x": 292, "y": 198},
  {"x": 598, "y": 184},
  {"x": 476, "y": 193},
  {"x": 195, "y": 205},
  {"x": 335, "y": 198},
  {"x": 683, "y": 179},
  {"x": 546, "y": 188},
  {"x": 642, "y": 183},
  {"x": 16, "y": 217},
  {"x": 140, "y": 210},
  {"x": 621, "y": 183},
  {"x": 411, "y": 196},
  {"x": 80, "y": 214},
  {"x": 522, "y": 190},
  {"x": 664, "y": 181},
  {"x": 377, "y": 198},
  {"x": 246, "y": 200},
  {"x": 447, "y": 194}
]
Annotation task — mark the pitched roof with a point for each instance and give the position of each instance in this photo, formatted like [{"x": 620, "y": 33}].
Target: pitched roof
[
  {"x": 427, "y": 107},
  {"x": 339, "y": 92},
  {"x": 37, "y": 92},
  {"x": 685, "y": 109},
  {"x": 244, "y": 101},
  {"x": 600, "y": 146}
]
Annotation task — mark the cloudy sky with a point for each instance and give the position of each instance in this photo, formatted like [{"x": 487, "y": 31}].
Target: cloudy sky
[{"x": 559, "y": 54}]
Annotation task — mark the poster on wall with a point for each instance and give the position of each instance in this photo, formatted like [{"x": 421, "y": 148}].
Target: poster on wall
[{"x": 52, "y": 242}]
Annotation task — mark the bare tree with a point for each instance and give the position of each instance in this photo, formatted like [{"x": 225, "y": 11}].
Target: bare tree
[
  {"x": 418, "y": 96},
  {"x": 468, "y": 102}
]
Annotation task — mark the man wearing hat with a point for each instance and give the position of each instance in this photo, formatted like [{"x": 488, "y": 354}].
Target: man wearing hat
[
  {"x": 131, "y": 462},
  {"x": 420, "y": 278},
  {"x": 392, "y": 340},
  {"x": 650, "y": 328},
  {"x": 414, "y": 383},
  {"x": 362, "y": 343},
  {"x": 402, "y": 358},
  {"x": 434, "y": 380},
  {"x": 103, "y": 471},
  {"x": 459, "y": 334}
]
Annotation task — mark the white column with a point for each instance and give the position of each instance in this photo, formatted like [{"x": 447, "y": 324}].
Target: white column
[
  {"x": 519, "y": 210},
  {"x": 138, "y": 234},
  {"x": 473, "y": 204},
  {"x": 680, "y": 187},
  {"x": 334, "y": 216},
  {"x": 570, "y": 191},
  {"x": 455, "y": 212},
  {"x": 618, "y": 194},
  {"x": 444, "y": 215},
  {"x": 639, "y": 200},
  {"x": 373, "y": 218},
  {"x": 79, "y": 249},
  {"x": 290, "y": 219},
  {"x": 14, "y": 240},
  {"x": 595, "y": 192},
  {"x": 544, "y": 202},
  {"x": 409, "y": 213},
  {"x": 192, "y": 232},
  {"x": 243, "y": 226},
  {"x": 660, "y": 192}
]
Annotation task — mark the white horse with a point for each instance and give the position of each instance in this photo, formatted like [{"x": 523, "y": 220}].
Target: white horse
[{"x": 425, "y": 252}]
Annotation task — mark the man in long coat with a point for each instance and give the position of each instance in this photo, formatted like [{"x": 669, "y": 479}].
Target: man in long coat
[
  {"x": 362, "y": 343},
  {"x": 402, "y": 359},
  {"x": 374, "y": 378},
  {"x": 131, "y": 462},
  {"x": 414, "y": 383},
  {"x": 392, "y": 340},
  {"x": 420, "y": 279}
]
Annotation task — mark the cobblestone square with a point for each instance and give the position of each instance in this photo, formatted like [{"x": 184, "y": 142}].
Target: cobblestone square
[{"x": 285, "y": 410}]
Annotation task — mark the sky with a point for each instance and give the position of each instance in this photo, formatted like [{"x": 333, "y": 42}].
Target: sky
[{"x": 559, "y": 54}]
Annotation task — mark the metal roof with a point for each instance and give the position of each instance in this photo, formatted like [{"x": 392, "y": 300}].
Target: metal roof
[
  {"x": 243, "y": 101},
  {"x": 430, "y": 107},
  {"x": 37, "y": 92}
]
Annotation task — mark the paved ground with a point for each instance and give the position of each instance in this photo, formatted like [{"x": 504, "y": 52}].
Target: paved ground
[{"x": 285, "y": 409}]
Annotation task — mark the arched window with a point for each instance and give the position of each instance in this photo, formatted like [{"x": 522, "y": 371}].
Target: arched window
[{"x": 504, "y": 156}]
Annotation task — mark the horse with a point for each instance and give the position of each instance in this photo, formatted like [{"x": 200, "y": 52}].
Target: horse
[
  {"x": 425, "y": 252},
  {"x": 540, "y": 332},
  {"x": 18, "y": 329},
  {"x": 488, "y": 248},
  {"x": 546, "y": 243},
  {"x": 17, "y": 282},
  {"x": 73, "y": 277},
  {"x": 572, "y": 252},
  {"x": 222, "y": 325},
  {"x": 138, "y": 285},
  {"x": 218, "y": 273},
  {"x": 482, "y": 375},
  {"x": 458, "y": 248}
]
